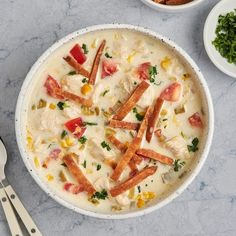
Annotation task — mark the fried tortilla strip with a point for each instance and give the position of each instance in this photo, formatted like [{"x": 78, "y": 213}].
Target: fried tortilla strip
[
  {"x": 133, "y": 181},
  {"x": 131, "y": 101},
  {"x": 78, "y": 68},
  {"x": 93, "y": 74},
  {"x": 86, "y": 102},
  {"x": 153, "y": 118},
  {"x": 177, "y": 2},
  {"x": 125, "y": 159},
  {"x": 155, "y": 156},
  {"x": 77, "y": 173},
  {"x": 123, "y": 124}
]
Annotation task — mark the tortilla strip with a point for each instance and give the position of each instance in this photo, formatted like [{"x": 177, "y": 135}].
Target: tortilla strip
[
  {"x": 131, "y": 101},
  {"x": 133, "y": 181},
  {"x": 155, "y": 156},
  {"x": 117, "y": 143},
  {"x": 86, "y": 102},
  {"x": 177, "y": 2},
  {"x": 77, "y": 173},
  {"x": 123, "y": 124},
  {"x": 93, "y": 73},
  {"x": 78, "y": 68},
  {"x": 153, "y": 118},
  {"x": 125, "y": 159}
]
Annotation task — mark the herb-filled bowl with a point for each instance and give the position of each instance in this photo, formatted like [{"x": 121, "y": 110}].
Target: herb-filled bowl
[{"x": 114, "y": 121}]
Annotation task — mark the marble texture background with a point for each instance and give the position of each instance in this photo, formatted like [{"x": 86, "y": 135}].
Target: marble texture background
[{"x": 208, "y": 206}]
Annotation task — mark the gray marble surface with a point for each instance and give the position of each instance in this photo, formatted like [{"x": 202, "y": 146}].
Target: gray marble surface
[{"x": 208, "y": 206}]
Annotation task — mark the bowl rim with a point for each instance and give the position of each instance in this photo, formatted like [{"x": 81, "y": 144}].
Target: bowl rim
[
  {"x": 41, "y": 183},
  {"x": 173, "y": 8},
  {"x": 207, "y": 42}
]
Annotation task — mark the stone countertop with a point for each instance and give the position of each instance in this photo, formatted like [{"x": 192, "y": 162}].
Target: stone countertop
[{"x": 208, "y": 206}]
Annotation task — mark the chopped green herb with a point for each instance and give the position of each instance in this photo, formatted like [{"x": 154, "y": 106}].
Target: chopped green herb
[
  {"x": 84, "y": 46},
  {"x": 135, "y": 110},
  {"x": 225, "y": 41},
  {"x": 105, "y": 145},
  {"x": 63, "y": 134},
  {"x": 84, "y": 80},
  {"x": 98, "y": 167},
  {"x": 89, "y": 123},
  {"x": 72, "y": 73},
  {"x": 194, "y": 146},
  {"x": 182, "y": 134},
  {"x": 62, "y": 105},
  {"x": 152, "y": 73},
  {"x": 139, "y": 189},
  {"x": 83, "y": 139},
  {"x": 138, "y": 116},
  {"x": 105, "y": 92},
  {"x": 178, "y": 164},
  {"x": 107, "y": 55},
  {"x": 84, "y": 164},
  {"x": 101, "y": 195}
]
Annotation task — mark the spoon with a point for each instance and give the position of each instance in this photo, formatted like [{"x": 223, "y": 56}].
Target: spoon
[{"x": 8, "y": 196}]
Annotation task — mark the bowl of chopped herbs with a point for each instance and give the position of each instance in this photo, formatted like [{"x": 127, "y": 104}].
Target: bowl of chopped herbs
[{"x": 220, "y": 36}]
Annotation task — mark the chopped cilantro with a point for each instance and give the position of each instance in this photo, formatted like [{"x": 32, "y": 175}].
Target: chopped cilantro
[
  {"x": 84, "y": 164},
  {"x": 138, "y": 116},
  {"x": 89, "y": 123},
  {"x": 107, "y": 55},
  {"x": 178, "y": 164},
  {"x": 83, "y": 139},
  {"x": 84, "y": 80},
  {"x": 152, "y": 74},
  {"x": 62, "y": 105},
  {"x": 63, "y": 134},
  {"x": 101, "y": 195},
  {"x": 98, "y": 167},
  {"x": 84, "y": 46},
  {"x": 105, "y": 92},
  {"x": 72, "y": 72},
  {"x": 105, "y": 145},
  {"x": 193, "y": 147}
]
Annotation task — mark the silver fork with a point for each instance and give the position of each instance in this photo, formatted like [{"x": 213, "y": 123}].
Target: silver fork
[{"x": 8, "y": 196}]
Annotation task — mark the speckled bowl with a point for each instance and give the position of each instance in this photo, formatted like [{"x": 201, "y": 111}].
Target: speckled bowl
[{"x": 21, "y": 109}]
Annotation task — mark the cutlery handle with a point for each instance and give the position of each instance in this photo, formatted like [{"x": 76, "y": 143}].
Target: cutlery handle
[
  {"x": 10, "y": 215},
  {"x": 22, "y": 212}
]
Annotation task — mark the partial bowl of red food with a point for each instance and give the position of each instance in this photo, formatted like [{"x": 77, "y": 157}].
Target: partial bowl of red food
[
  {"x": 68, "y": 58},
  {"x": 171, "y": 6}
]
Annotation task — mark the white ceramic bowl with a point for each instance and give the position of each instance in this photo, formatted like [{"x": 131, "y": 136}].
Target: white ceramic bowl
[
  {"x": 209, "y": 35},
  {"x": 21, "y": 109},
  {"x": 170, "y": 8}
]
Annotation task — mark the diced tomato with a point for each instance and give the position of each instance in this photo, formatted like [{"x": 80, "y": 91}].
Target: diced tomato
[
  {"x": 67, "y": 186},
  {"x": 109, "y": 67},
  {"x": 171, "y": 93},
  {"x": 53, "y": 88},
  {"x": 77, "y": 189},
  {"x": 54, "y": 153},
  {"x": 143, "y": 71},
  {"x": 76, "y": 127},
  {"x": 78, "y": 54},
  {"x": 195, "y": 120}
]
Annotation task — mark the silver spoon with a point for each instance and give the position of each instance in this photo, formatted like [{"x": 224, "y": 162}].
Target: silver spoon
[{"x": 7, "y": 195}]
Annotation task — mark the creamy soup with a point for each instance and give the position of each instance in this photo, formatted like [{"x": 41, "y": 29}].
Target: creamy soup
[{"x": 115, "y": 120}]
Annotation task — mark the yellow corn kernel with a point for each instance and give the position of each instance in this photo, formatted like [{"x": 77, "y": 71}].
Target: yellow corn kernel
[
  {"x": 89, "y": 171},
  {"x": 67, "y": 142},
  {"x": 162, "y": 138},
  {"x": 138, "y": 196},
  {"x": 85, "y": 89},
  {"x": 62, "y": 176},
  {"x": 30, "y": 143},
  {"x": 131, "y": 56},
  {"x": 52, "y": 106},
  {"x": 109, "y": 131},
  {"x": 87, "y": 111},
  {"x": 94, "y": 43},
  {"x": 36, "y": 162},
  {"x": 131, "y": 193},
  {"x": 42, "y": 103},
  {"x": 33, "y": 107},
  {"x": 185, "y": 76},
  {"x": 165, "y": 63},
  {"x": 164, "y": 112},
  {"x": 149, "y": 195},
  {"x": 140, "y": 203},
  {"x": 49, "y": 177}
]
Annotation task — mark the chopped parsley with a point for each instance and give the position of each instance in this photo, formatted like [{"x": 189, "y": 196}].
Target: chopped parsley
[
  {"x": 107, "y": 55},
  {"x": 62, "y": 105},
  {"x": 194, "y": 146},
  {"x": 178, "y": 164},
  {"x": 101, "y": 195},
  {"x": 152, "y": 73},
  {"x": 105, "y": 92},
  {"x": 99, "y": 167},
  {"x": 105, "y": 145},
  {"x": 72, "y": 72},
  {"x": 138, "y": 116},
  {"x": 89, "y": 123},
  {"x": 63, "y": 134},
  {"x": 84, "y": 80},
  {"x": 84, "y": 46},
  {"x": 83, "y": 139},
  {"x": 84, "y": 164}
]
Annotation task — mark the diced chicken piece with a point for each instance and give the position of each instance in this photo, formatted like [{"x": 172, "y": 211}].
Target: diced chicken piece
[
  {"x": 72, "y": 110},
  {"x": 123, "y": 199},
  {"x": 50, "y": 121},
  {"x": 127, "y": 84},
  {"x": 97, "y": 151},
  {"x": 177, "y": 145},
  {"x": 102, "y": 183}
]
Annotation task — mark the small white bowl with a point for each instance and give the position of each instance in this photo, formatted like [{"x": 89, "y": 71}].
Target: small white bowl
[
  {"x": 171, "y": 8},
  {"x": 209, "y": 35}
]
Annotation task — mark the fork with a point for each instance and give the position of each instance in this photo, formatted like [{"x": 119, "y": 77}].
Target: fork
[{"x": 9, "y": 199}]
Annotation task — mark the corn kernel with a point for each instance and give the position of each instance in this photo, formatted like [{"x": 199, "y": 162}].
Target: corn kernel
[
  {"x": 149, "y": 195},
  {"x": 49, "y": 177},
  {"x": 36, "y": 162},
  {"x": 94, "y": 43},
  {"x": 140, "y": 203},
  {"x": 85, "y": 89},
  {"x": 89, "y": 171},
  {"x": 131, "y": 56},
  {"x": 52, "y": 106},
  {"x": 165, "y": 63},
  {"x": 41, "y": 104},
  {"x": 62, "y": 176},
  {"x": 69, "y": 141},
  {"x": 164, "y": 112},
  {"x": 131, "y": 193}
]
